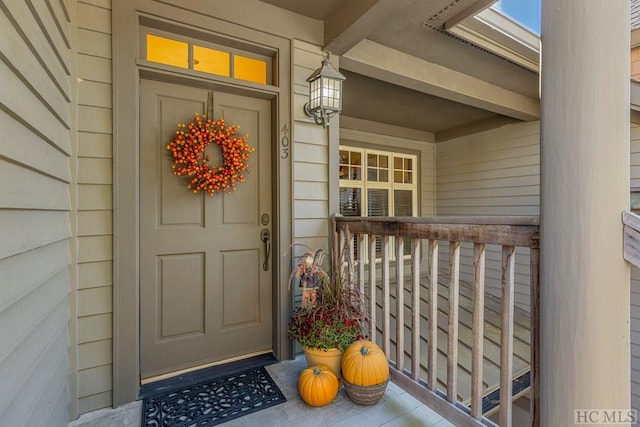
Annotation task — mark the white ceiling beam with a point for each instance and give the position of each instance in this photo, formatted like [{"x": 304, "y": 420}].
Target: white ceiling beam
[
  {"x": 467, "y": 12},
  {"x": 353, "y": 21},
  {"x": 390, "y": 65}
]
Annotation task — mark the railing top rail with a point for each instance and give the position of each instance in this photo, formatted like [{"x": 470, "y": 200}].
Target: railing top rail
[
  {"x": 511, "y": 231},
  {"x": 453, "y": 220}
]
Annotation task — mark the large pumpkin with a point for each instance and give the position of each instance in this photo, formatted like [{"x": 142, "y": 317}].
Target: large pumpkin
[
  {"x": 318, "y": 385},
  {"x": 364, "y": 364}
]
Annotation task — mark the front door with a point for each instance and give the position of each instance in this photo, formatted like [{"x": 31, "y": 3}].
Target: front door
[{"x": 205, "y": 290}]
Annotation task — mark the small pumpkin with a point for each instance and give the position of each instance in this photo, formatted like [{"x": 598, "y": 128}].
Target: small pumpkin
[
  {"x": 318, "y": 385},
  {"x": 364, "y": 364}
]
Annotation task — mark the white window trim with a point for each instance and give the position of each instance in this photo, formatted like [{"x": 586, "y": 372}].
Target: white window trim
[{"x": 363, "y": 184}]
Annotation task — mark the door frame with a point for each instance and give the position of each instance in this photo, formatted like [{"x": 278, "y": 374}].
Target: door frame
[{"x": 128, "y": 68}]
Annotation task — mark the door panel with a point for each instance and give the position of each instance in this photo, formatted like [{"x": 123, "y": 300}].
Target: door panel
[{"x": 204, "y": 295}]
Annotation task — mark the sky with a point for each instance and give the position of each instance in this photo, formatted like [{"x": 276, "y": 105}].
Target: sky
[{"x": 526, "y": 12}]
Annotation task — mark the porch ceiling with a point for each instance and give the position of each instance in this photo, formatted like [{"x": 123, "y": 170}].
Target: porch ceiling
[{"x": 480, "y": 86}]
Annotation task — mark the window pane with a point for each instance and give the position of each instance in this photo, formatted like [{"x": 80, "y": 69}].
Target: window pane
[
  {"x": 250, "y": 69},
  {"x": 377, "y": 202},
  {"x": 356, "y": 158},
  {"x": 211, "y": 61},
  {"x": 356, "y": 173},
  {"x": 372, "y": 160},
  {"x": 378, "y": 205},
  {"x": 372, "y": 174},
  {"x": 403, "y": 206},
  {"x": 350, "y": 201},
  {"x": 402, "y": 203},
  {"x": 167, "y": 51}
]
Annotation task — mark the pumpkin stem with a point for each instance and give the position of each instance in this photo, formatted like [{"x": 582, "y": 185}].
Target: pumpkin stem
[
  {"x": 364, "y": 350},
  {"x": 317, "y": 371}
]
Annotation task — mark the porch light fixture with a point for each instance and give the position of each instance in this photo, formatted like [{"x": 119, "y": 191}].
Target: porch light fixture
[{"x": 325, "y": 93}]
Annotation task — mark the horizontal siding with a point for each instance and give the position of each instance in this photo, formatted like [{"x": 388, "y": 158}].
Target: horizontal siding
[
  {"x": 635, "y": 338},
  {"x": 35, "y": 205},
  {"x": 496, "y": 172},
  {"x": 95, "y": 206},
  {"x": 310, "y": 157},
  {"x": 635, "y": 156},
  {"x": 635, "y": 281}
]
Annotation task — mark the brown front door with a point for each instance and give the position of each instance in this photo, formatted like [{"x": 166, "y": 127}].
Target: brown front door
[{"x": 205, "y": 295}]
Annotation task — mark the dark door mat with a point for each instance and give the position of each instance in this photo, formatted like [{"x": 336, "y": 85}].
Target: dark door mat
[
  {"x": 213, "y": 401},
  {"x": 194, "y": 377}
]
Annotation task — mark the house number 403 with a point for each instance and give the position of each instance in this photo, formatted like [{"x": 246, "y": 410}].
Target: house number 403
[{"x": 284, "y": 142}]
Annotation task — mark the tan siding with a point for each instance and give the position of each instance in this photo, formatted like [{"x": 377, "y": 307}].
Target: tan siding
[
  {"x": 95, "y": 215},
  {"x": 310, "y": 157},
  {"x": 635, "y": 274},
  {"x": 35, "y": 206},
  {"x": 94, "y": 328},
  {"x": 635, "y": 338},
  {"x": 635, "y": 156},
  {"x": 495, "y": 172}
]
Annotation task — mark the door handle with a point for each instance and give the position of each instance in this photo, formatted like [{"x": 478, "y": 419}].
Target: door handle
[{"x": 265, "y": 236}]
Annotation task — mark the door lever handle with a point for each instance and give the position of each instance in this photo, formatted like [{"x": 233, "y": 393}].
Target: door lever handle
[{"x": 265, "y": 236}]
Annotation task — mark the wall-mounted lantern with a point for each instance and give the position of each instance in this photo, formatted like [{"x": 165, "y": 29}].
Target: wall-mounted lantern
[{"x": 325, "y": 93}]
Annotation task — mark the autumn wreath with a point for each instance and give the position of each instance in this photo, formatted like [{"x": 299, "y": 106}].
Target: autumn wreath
[{"x": 187, "y": 149}]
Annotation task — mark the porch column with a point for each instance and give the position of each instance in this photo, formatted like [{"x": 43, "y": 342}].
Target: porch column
[{"x": 584, "y": 281}]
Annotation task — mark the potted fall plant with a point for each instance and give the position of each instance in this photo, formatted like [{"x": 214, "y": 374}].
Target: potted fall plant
[{"x": 332, "y": 314}]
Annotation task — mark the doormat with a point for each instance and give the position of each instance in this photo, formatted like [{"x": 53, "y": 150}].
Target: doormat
[{"x": 213, "y": 401}]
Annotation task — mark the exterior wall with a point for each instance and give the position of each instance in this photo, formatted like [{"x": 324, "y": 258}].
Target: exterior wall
[
  {"x": 310, "y": 156},
  {"x": 94, "y": 195},
  {"x": 35, "y": 211},
  {"x": 496, "y": 172},
  {"x": 635, "y": 280}
]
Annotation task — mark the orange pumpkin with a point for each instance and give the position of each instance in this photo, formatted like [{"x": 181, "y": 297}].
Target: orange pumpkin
[
  {"x": 364, "y": 364},
  {"x": 318, "y": 385}
]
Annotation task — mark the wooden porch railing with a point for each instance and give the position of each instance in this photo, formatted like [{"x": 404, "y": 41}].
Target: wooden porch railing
[{"x": 507, "y": 232}]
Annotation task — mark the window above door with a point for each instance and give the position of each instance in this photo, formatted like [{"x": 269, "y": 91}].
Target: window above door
[{"x": 174, "y": 50}]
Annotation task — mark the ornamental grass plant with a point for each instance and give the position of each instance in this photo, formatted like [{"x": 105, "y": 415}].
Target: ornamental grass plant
[{"x": 332, "y": 313}]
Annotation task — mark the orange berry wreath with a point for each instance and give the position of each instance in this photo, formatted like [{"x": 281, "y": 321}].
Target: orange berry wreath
[{"x": 187, "y": 149}]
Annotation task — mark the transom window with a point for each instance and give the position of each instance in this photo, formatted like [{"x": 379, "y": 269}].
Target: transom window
[
  {"x": 207, "y": 57},
  {"x": 378, "y": 183}
]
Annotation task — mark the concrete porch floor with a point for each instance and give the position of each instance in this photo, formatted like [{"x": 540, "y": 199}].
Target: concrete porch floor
[{"x": 396, "y": 409}]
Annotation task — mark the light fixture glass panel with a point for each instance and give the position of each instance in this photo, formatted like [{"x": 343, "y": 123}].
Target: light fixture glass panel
[
  {"x": 167, "y": 51},
  {"x": 250, "y": 69},
  {"x": 314, "y": 94},
  {"x": 211, "y": 61}
]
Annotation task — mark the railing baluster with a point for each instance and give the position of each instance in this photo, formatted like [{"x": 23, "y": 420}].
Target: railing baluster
[
  {"x": 372, "y": 286},
  {"x": 534, "y": 375},
  {"x": 506, "y": 341},
  {"x": 349, "y": 237},
  {"x": 452, "y": 349},
  {"x": 415, "y": 307},
  {"x": 399, "y": 303},
  {"x": 507, "y": 232},
  {"x": 432, "y": 344},
  {"x": 386, "y": 298},
  {"x": 336, "y": 241},
  {"x": 477, "y": 349},
  {"x": 361, "y": 252}
]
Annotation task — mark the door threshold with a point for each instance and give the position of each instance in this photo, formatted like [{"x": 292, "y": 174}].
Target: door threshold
[{"x": 158, "y": 383}]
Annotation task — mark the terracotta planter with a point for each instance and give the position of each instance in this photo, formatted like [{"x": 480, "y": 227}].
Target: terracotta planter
[{"x": 332, "y": 358}]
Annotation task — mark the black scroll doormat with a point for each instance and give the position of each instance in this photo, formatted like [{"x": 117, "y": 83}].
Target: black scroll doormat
[{"x": 213, "y": 401}]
